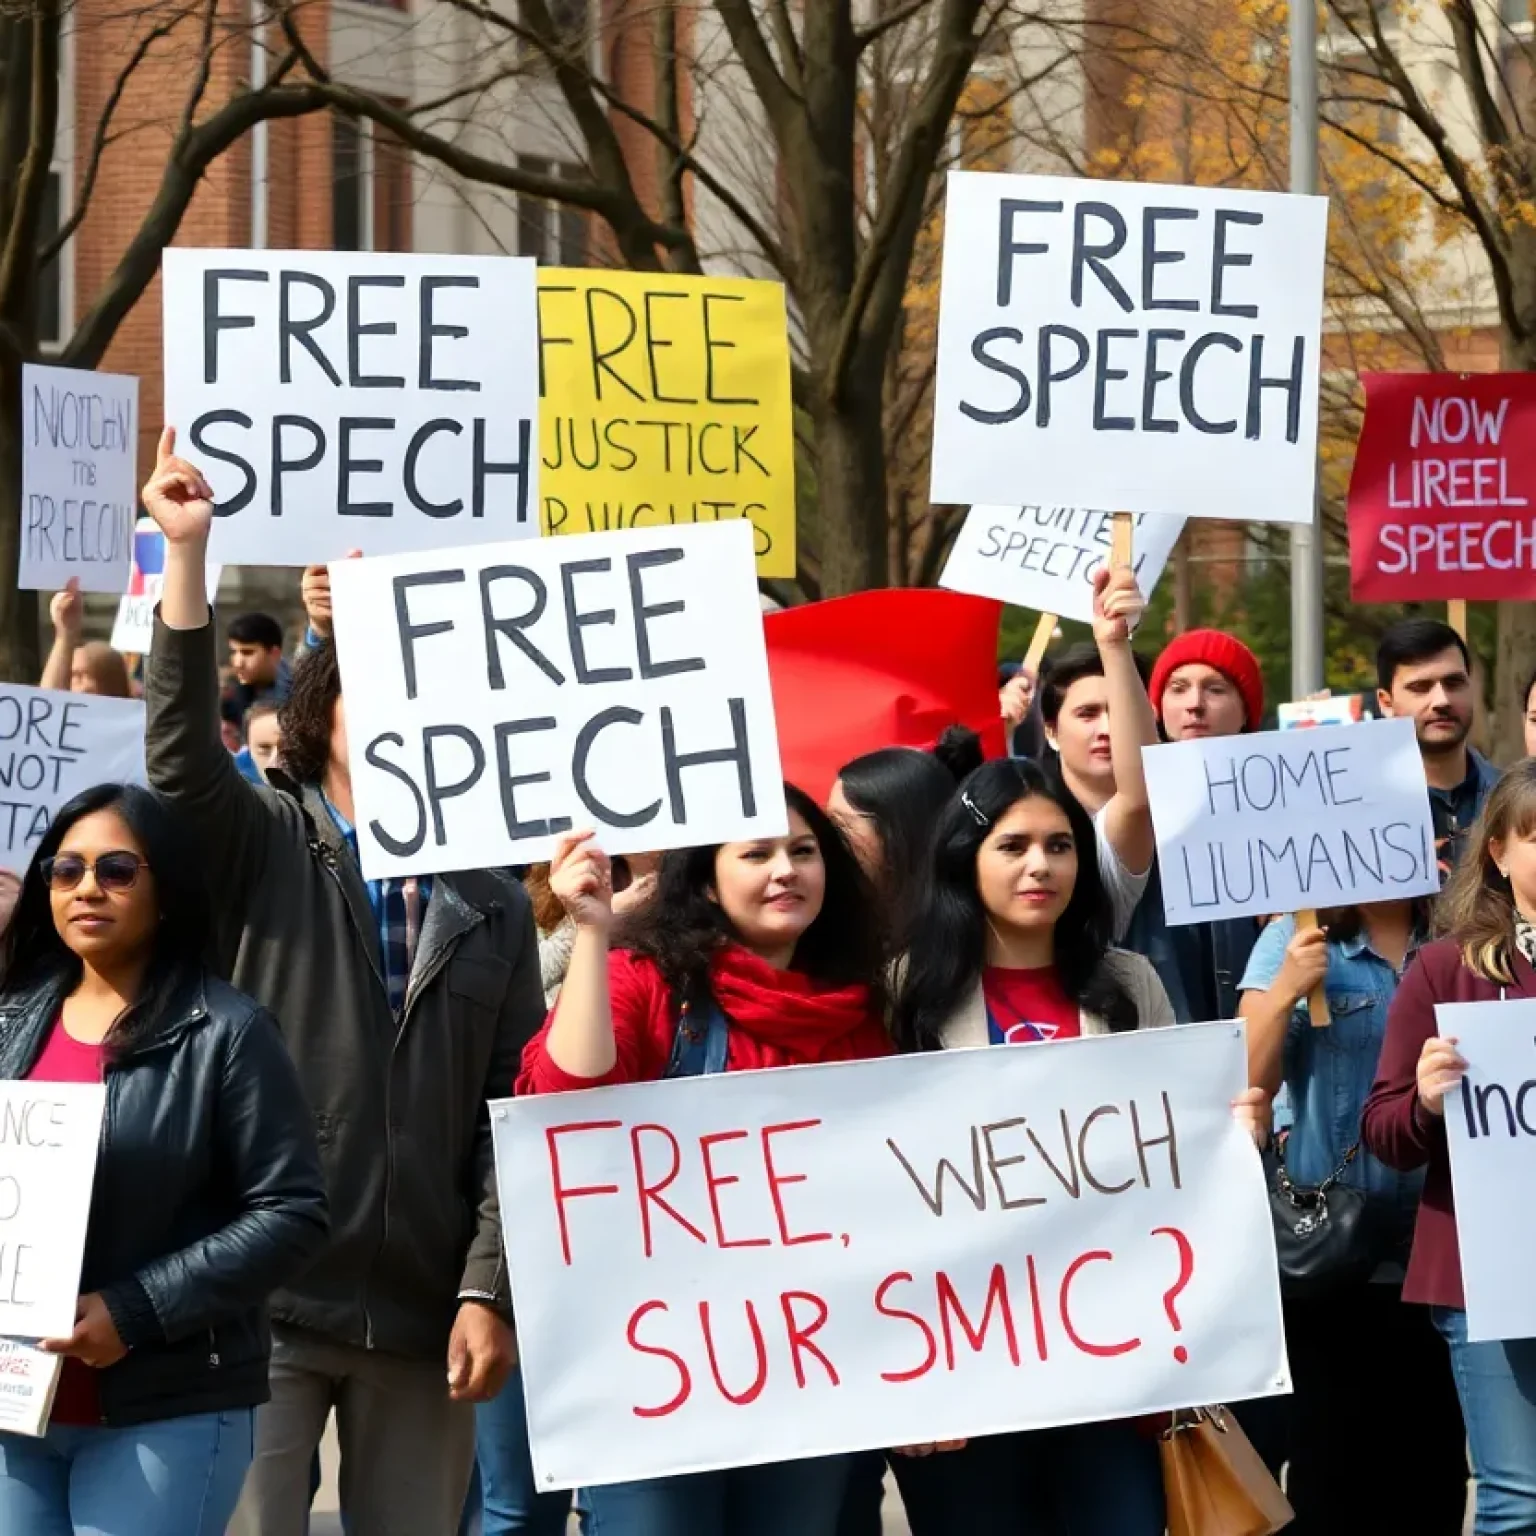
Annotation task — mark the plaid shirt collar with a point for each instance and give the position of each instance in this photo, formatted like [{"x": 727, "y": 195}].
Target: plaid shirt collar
[{"x": 398, "y": 908}]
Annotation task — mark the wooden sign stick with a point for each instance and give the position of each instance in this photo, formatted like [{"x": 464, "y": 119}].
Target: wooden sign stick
[
  {"x": 1456, "y": 616},
  {"x": 1317, "y": 1000},
  {"x": 1044, "y": 631},
  {"x": 1121, "y": 536}
]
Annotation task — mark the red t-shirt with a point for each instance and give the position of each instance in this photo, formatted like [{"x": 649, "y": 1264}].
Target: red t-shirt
[
  {"x": 67, "y": 1060},
  {"x": 1026, "y": 1006}
]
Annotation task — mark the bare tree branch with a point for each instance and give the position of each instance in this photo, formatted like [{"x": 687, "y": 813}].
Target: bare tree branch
[
  {"x": 882, "y": 276},
  {"x": 18, "y": 258},
  {"x": 99, "y": 141},
  {"x": 190, "y": 157}
]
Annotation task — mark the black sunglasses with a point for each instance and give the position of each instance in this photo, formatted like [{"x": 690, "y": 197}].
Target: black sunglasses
[{"x": 113, "y": 871}]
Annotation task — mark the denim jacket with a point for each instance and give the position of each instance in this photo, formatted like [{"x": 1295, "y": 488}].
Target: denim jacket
[
  {"x": 1187, "y": 968},
  {"x": 1329, "y": 1070}
]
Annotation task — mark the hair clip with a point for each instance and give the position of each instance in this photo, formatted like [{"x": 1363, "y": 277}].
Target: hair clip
[{"x": 977, "y": 814}]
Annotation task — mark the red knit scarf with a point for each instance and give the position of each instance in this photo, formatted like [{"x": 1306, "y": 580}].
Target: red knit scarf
[{"x": 793, "y": 1019}]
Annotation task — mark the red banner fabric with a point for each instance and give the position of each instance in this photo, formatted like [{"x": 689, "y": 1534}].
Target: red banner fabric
[
  {"x": 880, "y": 669},
  {"x": 1442, "y": 502}
]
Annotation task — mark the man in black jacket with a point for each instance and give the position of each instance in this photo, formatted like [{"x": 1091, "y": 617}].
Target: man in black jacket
[{"x": 405, "y": 1005}]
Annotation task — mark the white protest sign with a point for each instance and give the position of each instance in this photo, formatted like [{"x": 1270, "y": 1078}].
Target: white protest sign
[
  {"x": 1045, "y": 557},
  {"x": 52, "y": 746},
  {"x": 79, "y": 477},
  {"x": 1490, "y": 1124},
  {"x": 339, "y": 400},
  {"x": 134, "y": 627},
  {"x": 497, "y": 698},
  {"x": 48, "y": 1138},
  {"x": 1141, "y": 347},
  {"x": 1278, "y": 821},
  {"x": 721, "y": 1271}
]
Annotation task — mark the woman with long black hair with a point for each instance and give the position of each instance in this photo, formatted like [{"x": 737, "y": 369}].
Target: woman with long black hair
[
  {"x": 208, "y": 1192},
  {"x": 886, "y": 804},
  {"x": 1011, "y": 945},
  {"x": 754, "y": 954}
]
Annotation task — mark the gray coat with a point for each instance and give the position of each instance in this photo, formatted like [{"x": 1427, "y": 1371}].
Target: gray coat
[{"x": 399, "y": 1106}]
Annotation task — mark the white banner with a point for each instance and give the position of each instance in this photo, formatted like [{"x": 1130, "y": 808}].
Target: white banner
[
  {"x": 1248, "y": 826},
  {"x": 1490, "y": 1124},
  {"x": 79, "y": 477},
  {"x": 134, "y": 626},
  {"x": 48, "y": 1138},
  {"x": 499, "y": 698},
  {"x": 756, "y": 1266},
  {"x": 1136, "y": 346},
  {"x": 341, "y": 400},
  {"x": 1045, "y": 557},
  {"x": 52, "y": 746}
]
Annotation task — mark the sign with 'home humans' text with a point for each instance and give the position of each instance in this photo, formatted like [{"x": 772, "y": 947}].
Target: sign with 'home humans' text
[
  {"x": 1140, "y": 347},
  {"x": 338, "y": 400},
  {"x": 1045, "y": 557},
  {"x": 500, "y": 698},
  {"x": 1442, "y": 500},
  {"x": 53, "y": 745},
  {"x": 48, "y": 1137},
  {"x": 1490, "y": 1123},
  {"x": 666, "y": 400},
  {"x": 721, "y": 1271},
  {"x": 79, "y": 477},
  {"x": 1252, "y": 825}
]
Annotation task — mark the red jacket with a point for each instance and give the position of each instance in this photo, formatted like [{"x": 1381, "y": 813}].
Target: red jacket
[
  {"x": 777, "y": 1019},
  {"x": 1397, "y": 1129}
]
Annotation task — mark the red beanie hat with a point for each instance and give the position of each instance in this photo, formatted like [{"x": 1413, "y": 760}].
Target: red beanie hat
[{"x": 1226, "y": 654}]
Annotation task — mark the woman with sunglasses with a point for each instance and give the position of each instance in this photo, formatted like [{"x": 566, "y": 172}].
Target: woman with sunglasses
[
  {"x": 1010, "y": 946},
  {"x": 208, "y": 1191}
]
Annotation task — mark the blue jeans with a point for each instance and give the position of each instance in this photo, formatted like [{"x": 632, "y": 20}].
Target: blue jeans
[
  {"x": 784, "y": 1498},
  {"x": 1082, "y": 1480},
  {"x": 1497, "y": 1387},
  {"x": 501, "y": 1492},
  {"x": 176, "y": 1477}
]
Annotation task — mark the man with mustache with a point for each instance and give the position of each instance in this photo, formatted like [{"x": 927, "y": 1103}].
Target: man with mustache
[{"x": 1423, "y": 672}]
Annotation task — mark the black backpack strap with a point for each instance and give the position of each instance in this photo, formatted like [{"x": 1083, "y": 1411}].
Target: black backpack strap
[{"x": 700, "y": 1042}]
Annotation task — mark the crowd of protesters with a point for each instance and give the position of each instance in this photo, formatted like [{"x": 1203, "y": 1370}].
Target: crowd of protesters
[{"x": 296, "y": 1212}]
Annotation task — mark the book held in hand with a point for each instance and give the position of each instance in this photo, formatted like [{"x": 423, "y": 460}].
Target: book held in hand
[{"x": 29, "y": 1377}]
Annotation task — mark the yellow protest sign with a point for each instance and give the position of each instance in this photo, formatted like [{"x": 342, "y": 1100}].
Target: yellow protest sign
[{"x": 665, "y": 399}]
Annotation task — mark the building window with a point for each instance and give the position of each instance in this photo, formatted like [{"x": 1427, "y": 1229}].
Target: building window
[
  {"x": 351, "y": 185},
  {"x": 554, "y": 234},
  {"x": 50, "y": 282},
  {"x": 371, "y": 188}
]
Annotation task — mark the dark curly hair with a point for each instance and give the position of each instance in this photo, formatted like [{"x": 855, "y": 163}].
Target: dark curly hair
[
  {"x": 305, "y": 720},
  {"x": 681, "y": 928},
  {"x": 949, "y": 933}
]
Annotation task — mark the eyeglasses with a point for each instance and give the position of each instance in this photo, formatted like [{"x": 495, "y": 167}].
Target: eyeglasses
[{"x": 113, "y": 871}]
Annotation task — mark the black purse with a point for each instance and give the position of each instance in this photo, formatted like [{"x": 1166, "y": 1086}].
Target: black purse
[{"x": 1327, "y": 1236}]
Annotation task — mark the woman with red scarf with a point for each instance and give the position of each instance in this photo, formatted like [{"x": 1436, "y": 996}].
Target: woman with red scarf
[{"x": 753, "y": 954}]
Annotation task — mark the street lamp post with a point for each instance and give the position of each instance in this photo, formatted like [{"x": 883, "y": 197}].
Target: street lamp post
[{"x": 1306, "y": 538}]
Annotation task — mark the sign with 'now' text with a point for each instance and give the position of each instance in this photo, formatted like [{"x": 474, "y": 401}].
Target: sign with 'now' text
[
  {"x": 1442, "y": 501},
  {"x": 756, "y": 1266}
]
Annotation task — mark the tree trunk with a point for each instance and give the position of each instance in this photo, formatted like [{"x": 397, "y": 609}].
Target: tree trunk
[
  {"x": 850, "y": 479},
  {"x": 20, "y": 658},
  {"x": 1516, "y": 647},
  {"x": 1515, "y": 663}
]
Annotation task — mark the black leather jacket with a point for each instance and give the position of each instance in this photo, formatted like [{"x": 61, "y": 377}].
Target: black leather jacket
[{"x": 208, "y": 1196}]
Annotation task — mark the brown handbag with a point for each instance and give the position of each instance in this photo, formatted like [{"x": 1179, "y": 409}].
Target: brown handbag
[{"x": 1214, "y": 1481}]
